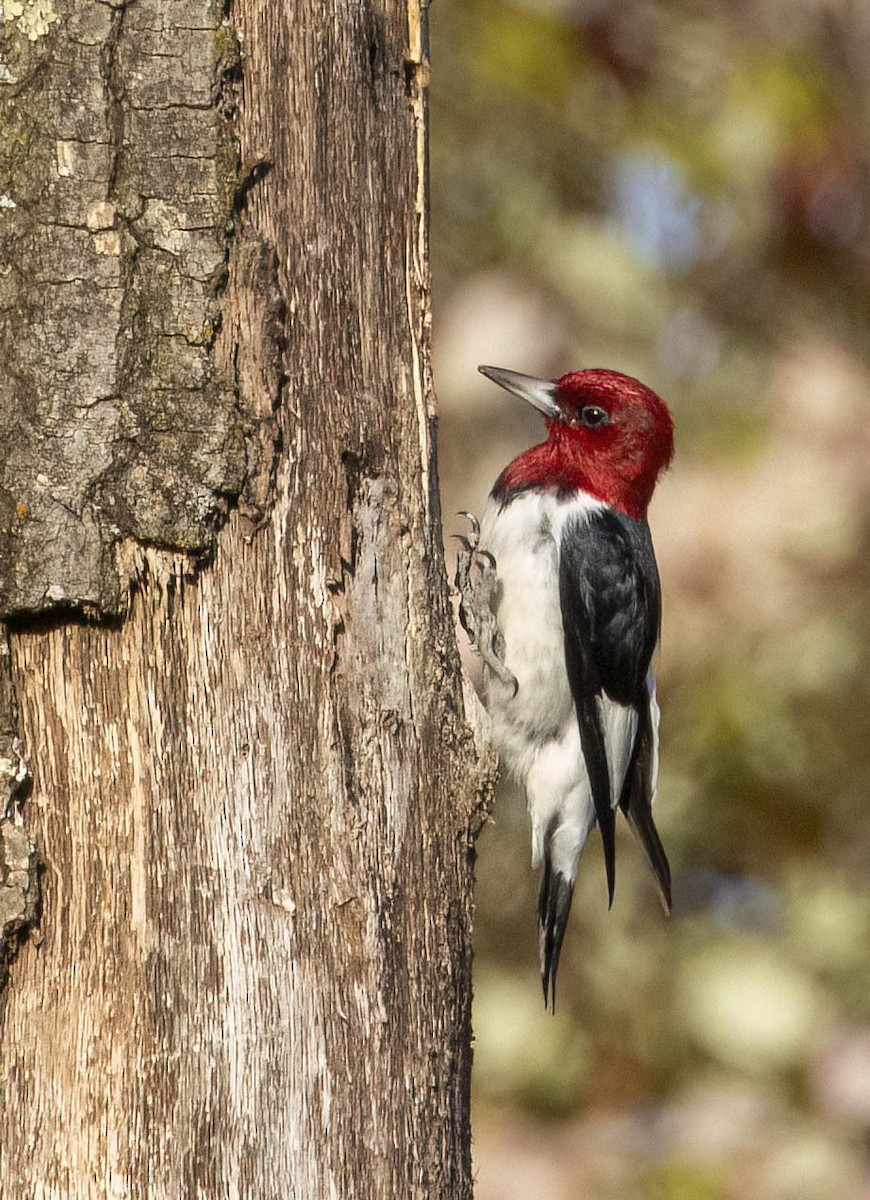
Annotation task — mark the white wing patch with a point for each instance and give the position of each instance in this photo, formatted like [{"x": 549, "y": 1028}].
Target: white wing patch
[
  {"x": 619, "y": 725},
  {"x": 655, "y": 717}
]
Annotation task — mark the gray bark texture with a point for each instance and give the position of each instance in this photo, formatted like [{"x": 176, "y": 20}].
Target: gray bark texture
[{"x": 234, "y": 747}]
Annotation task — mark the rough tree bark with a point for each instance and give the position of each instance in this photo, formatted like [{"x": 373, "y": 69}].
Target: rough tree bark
[{"x": 232, "y": 727}]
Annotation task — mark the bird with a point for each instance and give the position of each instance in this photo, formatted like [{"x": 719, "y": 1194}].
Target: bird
[{"x": 560, "y": 593}]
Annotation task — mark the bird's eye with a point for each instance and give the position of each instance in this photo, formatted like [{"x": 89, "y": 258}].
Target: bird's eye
[{"x": 592, "y": 416}]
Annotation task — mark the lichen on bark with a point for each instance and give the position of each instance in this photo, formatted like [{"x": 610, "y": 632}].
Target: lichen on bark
[{"x": 117, "y": 184}]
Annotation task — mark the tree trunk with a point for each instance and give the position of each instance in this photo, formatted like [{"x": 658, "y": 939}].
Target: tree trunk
[{"x": 254, "y": 790}]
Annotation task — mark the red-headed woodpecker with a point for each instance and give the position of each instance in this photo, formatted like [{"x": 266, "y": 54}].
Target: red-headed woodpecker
[{"x": 566, "y": 613}]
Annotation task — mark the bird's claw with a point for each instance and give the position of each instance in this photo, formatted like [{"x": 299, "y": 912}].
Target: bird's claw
[
  {"x": 474, "y": 535},
  {"x": 476, "y": 581}
]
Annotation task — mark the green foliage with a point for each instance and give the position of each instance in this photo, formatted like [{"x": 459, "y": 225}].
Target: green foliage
[{"x": 683, "y": 1181}]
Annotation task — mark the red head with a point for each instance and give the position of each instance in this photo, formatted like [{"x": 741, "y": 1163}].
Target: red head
[{"x": 608, "y": 435}]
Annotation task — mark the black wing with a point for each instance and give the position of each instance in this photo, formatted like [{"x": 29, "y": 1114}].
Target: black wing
[
  {"x": 611, "y": 609},
  {"x": 611, "y": 602}
]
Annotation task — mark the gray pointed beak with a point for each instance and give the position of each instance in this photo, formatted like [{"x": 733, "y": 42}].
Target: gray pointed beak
[{"x": 540, "y": 393}]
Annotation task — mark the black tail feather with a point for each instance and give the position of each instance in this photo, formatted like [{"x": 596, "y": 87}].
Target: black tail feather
[
  {"x": 554, "y": 905},
  {"x": 606, "y": 819},
  {"x": 636, "y": 803},
  {"x": 639, "y": 817}
]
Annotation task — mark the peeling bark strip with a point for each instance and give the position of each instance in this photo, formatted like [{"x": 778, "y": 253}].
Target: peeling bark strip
[
  {"x": 19, "y": 890},
  {"x": 116, "y": 186},
  {"x": 256, "y": 795},
  {"x": 19, "y": 859}
]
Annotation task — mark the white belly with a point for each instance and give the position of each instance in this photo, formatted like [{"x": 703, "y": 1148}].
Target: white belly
[{"x": 524, "y": 540}]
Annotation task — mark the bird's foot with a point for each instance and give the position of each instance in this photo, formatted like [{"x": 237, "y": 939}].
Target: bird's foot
[{"x": 476, "y": 581}]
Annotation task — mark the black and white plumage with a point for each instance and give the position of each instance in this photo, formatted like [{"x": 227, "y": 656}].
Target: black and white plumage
[{"x": 577, "y": 603}]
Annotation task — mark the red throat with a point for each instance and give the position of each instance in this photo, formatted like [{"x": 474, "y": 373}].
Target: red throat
[{"x": 618, "y": 463}]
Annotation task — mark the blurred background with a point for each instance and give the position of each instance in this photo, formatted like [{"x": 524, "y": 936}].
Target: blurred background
[{"x": 681, "y": 191}]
